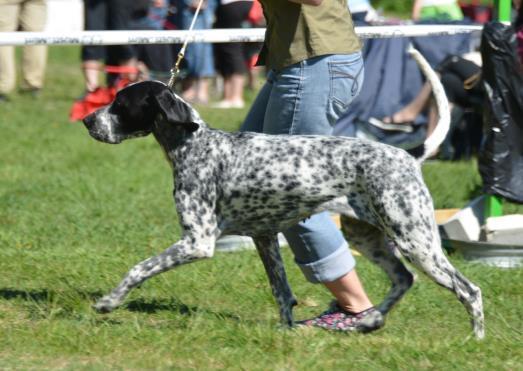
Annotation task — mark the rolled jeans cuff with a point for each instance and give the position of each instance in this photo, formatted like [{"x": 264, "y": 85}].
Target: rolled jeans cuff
[{"x": 331, "y": 267}]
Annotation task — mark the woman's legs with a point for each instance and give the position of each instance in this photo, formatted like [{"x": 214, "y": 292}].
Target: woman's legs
[
  {"x": 233, "y": 89},
  {"x": 290, "y": 103},
  {"x": 91, "y": 71},
  {"x": 199, "y": 57},
  {"x": 230, "y": 57},
  {"x": 349, "y": 293},
  {"x": 34, "y": 60}
]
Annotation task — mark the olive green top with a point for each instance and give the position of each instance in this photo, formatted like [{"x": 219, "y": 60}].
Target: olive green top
[{"x": 296, "y": 32}]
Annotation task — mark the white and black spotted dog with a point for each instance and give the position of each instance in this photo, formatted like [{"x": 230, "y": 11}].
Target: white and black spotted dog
[{"x": 258, "y": 185}]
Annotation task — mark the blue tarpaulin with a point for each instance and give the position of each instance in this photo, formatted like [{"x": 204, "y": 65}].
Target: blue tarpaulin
[{"x": 392, "y": 80}]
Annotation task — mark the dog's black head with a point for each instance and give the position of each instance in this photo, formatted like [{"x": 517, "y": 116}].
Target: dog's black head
[{"x": 135, "y": 110}]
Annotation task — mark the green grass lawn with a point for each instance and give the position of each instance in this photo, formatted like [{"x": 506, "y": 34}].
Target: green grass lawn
[{"x": 76, "y": 214}]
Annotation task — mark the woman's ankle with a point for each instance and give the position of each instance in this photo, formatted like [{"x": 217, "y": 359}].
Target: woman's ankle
[
  {"x": 349, "y": 293},
  {"x": 355, "y": 308}
]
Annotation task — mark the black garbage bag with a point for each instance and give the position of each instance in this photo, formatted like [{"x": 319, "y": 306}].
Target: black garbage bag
[{"x": 501, "y": 154}]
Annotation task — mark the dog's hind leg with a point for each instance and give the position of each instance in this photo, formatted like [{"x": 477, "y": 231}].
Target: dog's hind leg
[
  {"x": 370, "y": 242},
  {"x": 436, "y": 265},
  {"x": 184, "y": 251},
  {"x": 269, "y": 251}
]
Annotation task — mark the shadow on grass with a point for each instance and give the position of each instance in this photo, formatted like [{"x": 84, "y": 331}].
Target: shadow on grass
[
  {"x": 157, "y": 305},
  {"x": 38, "y": 296},
  {"x": 42, "y": 295},
  {"x": 138, "y": 305},
  {"x": 173, "y": 305}
]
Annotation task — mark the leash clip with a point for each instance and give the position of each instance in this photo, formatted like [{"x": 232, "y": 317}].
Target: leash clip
[{"x": 175, "y": 71}]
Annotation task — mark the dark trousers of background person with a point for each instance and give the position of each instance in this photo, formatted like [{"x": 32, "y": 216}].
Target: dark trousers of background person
[
  {"x": 231, "y": 58},
  {"x": 154, "y": 60},
  {"x": 107, "y": 15}
]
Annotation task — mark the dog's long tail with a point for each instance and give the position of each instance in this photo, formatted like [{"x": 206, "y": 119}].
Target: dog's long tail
[{"x": 442, "y": 128}]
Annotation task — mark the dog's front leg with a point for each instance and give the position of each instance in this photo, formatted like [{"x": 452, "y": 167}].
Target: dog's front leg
[
  {"x": 269, "y": 251},
  {"x": 182, "y": 252}
]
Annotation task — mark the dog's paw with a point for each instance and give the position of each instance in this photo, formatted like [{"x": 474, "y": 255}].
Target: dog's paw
[{"x": 105, "y": 305}]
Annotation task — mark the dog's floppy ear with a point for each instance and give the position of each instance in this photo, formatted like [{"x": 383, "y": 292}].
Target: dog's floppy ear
[{"x": 176, "y": 111}]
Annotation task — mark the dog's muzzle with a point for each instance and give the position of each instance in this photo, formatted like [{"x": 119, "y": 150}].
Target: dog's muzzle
[
  {"x": 100, "y": 127},
  {"x": 89, "y": 121}
]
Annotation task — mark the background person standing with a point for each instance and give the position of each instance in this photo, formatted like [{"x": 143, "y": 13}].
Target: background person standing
[{"x": 25, "y": 15}]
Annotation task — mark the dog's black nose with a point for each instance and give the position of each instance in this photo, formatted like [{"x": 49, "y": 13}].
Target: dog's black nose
[{"x": 89, "y": 120}]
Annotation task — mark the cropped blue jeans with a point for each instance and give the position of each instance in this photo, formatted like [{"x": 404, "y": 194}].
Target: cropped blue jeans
[{"x": 307, "y": 98}]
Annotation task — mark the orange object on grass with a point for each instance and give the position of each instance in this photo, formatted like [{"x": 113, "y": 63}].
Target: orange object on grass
[{"x": 102, "y": 96}]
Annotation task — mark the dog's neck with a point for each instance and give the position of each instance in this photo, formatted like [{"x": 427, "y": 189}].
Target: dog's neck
[{"x": 174, "y": 139}]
